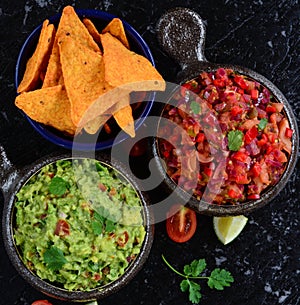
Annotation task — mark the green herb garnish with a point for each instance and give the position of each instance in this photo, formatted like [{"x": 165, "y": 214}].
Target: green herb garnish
[
  {"x": 102, "y": 222},
  {"x": 262, "y": 124},
  {"x": 218, "y": 279},
  {"x": 235, "y": 139},
  {"x": 54, "y": 258},
  {"x": 58, "y": 186},
  {"x": 195, "y": 107}
]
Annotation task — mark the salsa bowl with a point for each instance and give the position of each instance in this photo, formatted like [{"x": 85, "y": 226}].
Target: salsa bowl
[
  {"x": 50, "y": 233},
  {"x": 213, "y": 108},
  {"x": 83, "y": 140}
]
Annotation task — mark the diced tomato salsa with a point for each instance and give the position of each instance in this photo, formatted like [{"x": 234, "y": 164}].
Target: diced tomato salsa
[{"x": 239, "y": 139}]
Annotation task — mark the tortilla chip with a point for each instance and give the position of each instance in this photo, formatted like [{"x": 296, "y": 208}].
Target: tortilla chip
[
  {"x": 94, "y": 125},
  {"x": 39, "y": 60},
  {"x": 83, "y": 73},
  {"x": 92, "y": 30},
  {"x": 116, "y": 29},
  {"x": 70, "y": 25},
  {"x": 122, "y": 113},
  {"x": 125, "y": 119},
  {"x": 49, "y": 106},
  {"x": 53, "y": 76},
  {"x": 123, "y": 67}
]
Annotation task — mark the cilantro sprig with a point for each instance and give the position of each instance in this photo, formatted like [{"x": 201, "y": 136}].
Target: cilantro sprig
[
  {"x": 54, "y": 258},
  {"x": 235, "y": 139},
  {"x": 103, "y": 221},
  {"x": 218, "y": 279},
  {"x": 58, "y": 186}
]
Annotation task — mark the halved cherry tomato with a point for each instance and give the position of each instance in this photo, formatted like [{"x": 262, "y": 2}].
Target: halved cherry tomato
[
  {"x": 181, "y": 223},
  {"x": 41, "y": 302},
  {"x": 288, "y": 132}
]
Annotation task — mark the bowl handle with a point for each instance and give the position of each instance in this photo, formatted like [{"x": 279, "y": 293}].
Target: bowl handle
[
  {"x": 181, "y": 33},
  {"x": 8, "y": 175}
]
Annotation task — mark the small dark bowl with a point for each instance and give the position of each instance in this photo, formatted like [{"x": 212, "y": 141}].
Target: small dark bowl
[
  {"x": 181, "y": 33},
  {"x": 87, "y": 142},
  {"x": 20, "y": 178}
]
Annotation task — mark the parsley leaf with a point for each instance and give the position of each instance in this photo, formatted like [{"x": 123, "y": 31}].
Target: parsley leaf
[
  {"x": 54, "y": 258},
  {"x": 262, "y": 124},
  {"x": 235, "y": 139},
  {"x": 219, "y": 279},
  {"x": 58, "y": 186},
  {"x": 195, "y": 107}
]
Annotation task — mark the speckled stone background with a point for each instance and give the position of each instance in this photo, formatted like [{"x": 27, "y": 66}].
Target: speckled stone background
[{"x": 264, "y": 260}]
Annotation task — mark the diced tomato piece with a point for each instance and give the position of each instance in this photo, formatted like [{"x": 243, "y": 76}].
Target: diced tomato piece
[
  {"x": 62, "y": 228},
  {"x": 269, "y": 149},
  {"x": 240, "y": 156},
  {"x": 271, "y": 109},
  {"x": 253, "y": 196},
  {"x": 288, "y": 132},
  {"x": 219, "y": 83},
  {"x": 256, "y": 169},
  {"x": 184, "y": 88},
  {"x": 250, "y": 135},
  {"x": 235, "y": 110},
  {"x": 254, "y": 94},
  {"x": 200, "y": 137},
  {"x": 263, "y": 141},
  {"x": 272, "y": 137},
  {"x": 241, "y": 81},
  {"x": 233, "y": 194},
  {"x": 208, "y": 171},
  {"x": 242, "y": 179}
]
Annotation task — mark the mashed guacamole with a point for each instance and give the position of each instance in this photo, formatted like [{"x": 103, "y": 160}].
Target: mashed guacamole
[{"x": 79, "y": 224}]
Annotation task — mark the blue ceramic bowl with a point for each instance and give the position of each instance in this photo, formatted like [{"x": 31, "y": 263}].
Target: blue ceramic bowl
[{"x": 104, "y": 141}]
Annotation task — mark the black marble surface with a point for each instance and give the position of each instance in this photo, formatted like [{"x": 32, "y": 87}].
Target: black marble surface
[{"x": 264, "y": 260}]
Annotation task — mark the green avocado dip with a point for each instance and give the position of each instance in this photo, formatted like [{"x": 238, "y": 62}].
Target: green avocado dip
[{"x": 79, "y": 224}]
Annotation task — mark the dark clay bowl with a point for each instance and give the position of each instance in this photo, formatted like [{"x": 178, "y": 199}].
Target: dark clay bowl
[
  {"x": 181, "y": 33},
  {"x": 17, "y": 179},
  {"x": 84, "y": 141}
]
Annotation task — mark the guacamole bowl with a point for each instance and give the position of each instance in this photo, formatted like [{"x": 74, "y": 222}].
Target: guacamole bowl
[
  {"x": 81, "y": 139},
  {"x": 75, "y": 228}
]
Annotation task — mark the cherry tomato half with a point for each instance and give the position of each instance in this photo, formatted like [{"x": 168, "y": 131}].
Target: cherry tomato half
[
  {"x": 181, "y": 223},
  {"x": 41, "y": 302}
]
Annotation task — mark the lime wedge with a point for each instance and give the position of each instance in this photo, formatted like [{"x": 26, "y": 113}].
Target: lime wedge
[
  {"x": 92, "y": 303},
  {"x": 229, "y": 227}
]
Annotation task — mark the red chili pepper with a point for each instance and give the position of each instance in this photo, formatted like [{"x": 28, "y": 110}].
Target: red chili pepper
[
  {"x": 233, "y": 194},
  {"x": 235, "y": 110},
  {"x": 271, "y": 109},
  {"x": 250, "y": 135},
  {"x": 288, "y": 132}
]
